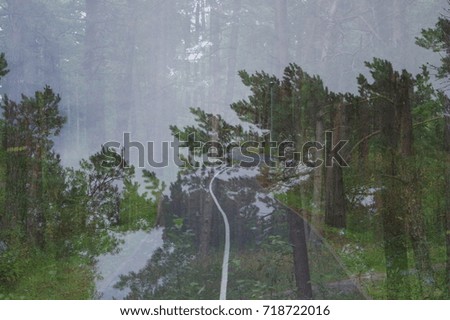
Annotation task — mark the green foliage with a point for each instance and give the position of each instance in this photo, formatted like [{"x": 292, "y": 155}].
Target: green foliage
[
  {"x": 286, "y": 107},
  {"x": 437, "y": 40},
  {"x": 262, "y": 273},
  {"x": 10, "y": 268},
  {"x": 208, "y": 127},
  {"x": 41, "y": 275},
  {"x": 93, "y": 204},
  {"x": 253, "y": 274},
  {"x": 393, "y": 123},
  {"x": 136, "y": 210},
  {"x": 69, "y": 212},
  {"x": 36, "y": 119},
  {"x": 153, "y": 184},
  {"x": 208, "y": 130},
  {"x": 29, "y": 127}
]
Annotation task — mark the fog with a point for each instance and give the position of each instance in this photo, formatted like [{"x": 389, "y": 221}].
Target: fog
[{"x": 137, "y": 66}]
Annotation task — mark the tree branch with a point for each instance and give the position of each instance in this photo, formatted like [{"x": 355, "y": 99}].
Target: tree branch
[{"x": 379, "y": 131}]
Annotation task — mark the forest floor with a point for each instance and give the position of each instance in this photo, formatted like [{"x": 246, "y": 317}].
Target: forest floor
[{"x": 44, "y": 277}]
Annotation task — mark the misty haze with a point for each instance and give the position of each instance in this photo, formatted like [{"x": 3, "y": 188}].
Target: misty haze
[{"x": 209, "y": 149}]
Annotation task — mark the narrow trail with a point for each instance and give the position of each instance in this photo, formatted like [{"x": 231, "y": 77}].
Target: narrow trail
[
  {"x": 226, "y": 250},
  {"x": 350, "y": 281}
]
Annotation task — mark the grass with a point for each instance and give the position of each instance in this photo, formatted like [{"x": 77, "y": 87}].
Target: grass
[
  {"x": 44, "y": 277},
  {"x": 365, "y": 260}
]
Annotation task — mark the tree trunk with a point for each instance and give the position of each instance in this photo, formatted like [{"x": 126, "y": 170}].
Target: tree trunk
[
  {"x": 15, "y": 83},
  {"x": 335, "y": 203},
  {"x": 395, "y": 248},
  {"x": 335, "y": 207},
  {"x": 417, "y": 234},
  {"x": 36, "y": 217},
  {"x": 281, "y": 36},
  {"x": 393, "y": 213},
  {"x": 17, "y": 167},
  {"x": 297, "y": 237},
  {"x": 317, "y": 217},
  {"x": 232, "y": 52},
  {"x": 93, "y": 65},
  {"x": 447, "y": 189},
  {"x": 306, "y": 51},
  {"x": 125, "y": 90},
  {"x": 206, "y": 205},
  {"x": 365, "y": 130},
  {"x": 329, "y": 43},
  {"x": 411, "y": 192},
  {"x": 328, "y": 47}
]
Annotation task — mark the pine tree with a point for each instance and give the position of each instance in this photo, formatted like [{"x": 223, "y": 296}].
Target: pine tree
[
  {"x": 393, "y": 97},
  {"x": 438, "y": 40},
  {"x": 29, "y": 128}
]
